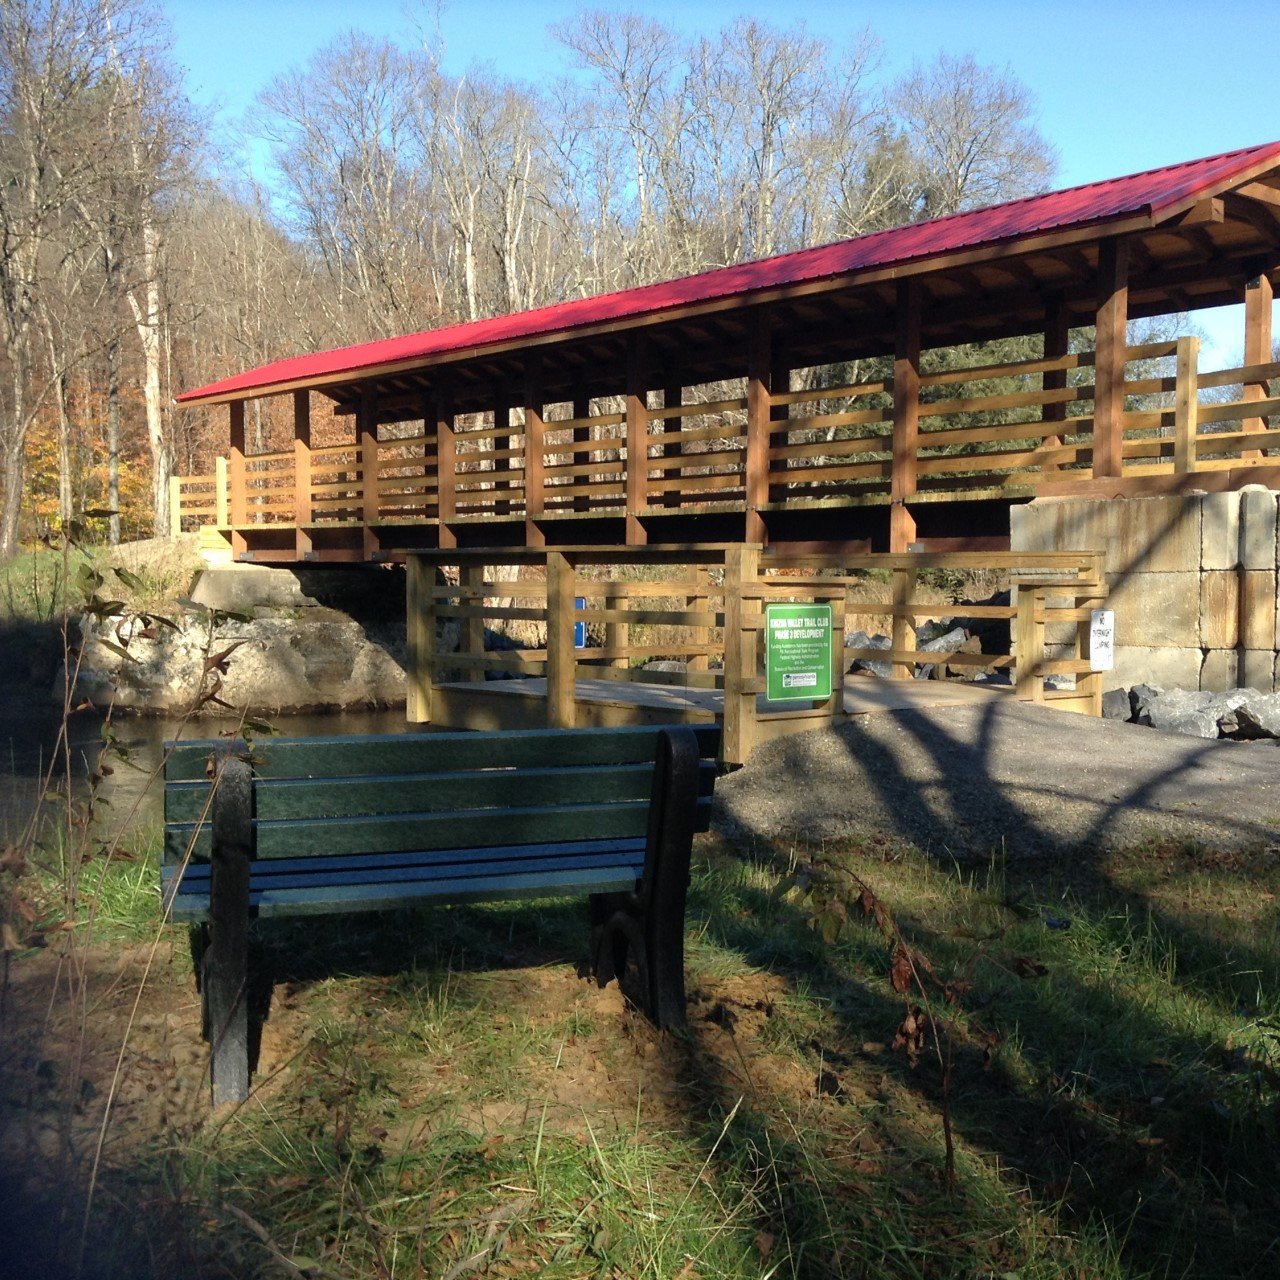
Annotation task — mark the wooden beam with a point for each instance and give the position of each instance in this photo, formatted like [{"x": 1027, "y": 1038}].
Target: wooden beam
[
  {"x": 501, "y": 443},
  {"x": 1057, "y": 331},
  {"x": 367, "y": 439},
  {"x": 301, "y": 472},
  {"x": 582, "y": 435},
  {"x": 1258, "y": 299},
  {"x": 1261, "y": 192},
  {"x": 1109, "y": 359},
  {"x": 561, "y": 658},
  {"x": 441, "y": 415},
  {"x": 637, "y": 438},
  {"x": 906, "y": 416},
  {"x": 420, "y": 627},
  {"x": 672, "y": 396},
  {"x": 1203, "y": 211},
  {"x": 779, "y": 385},
  {"x": 1186, "y": 406},
  {"x": 535, "y": 457},
  {"x": 759, "y": 409}
]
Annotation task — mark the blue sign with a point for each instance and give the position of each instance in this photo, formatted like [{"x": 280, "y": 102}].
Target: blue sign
[{"x": 579, "y": 628}]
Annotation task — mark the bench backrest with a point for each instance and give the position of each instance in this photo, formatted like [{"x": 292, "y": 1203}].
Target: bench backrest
[{"x": 421, "y": 791}]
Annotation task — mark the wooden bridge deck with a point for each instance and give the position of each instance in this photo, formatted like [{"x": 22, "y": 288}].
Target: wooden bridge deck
[{"x": 521, "y": 704}]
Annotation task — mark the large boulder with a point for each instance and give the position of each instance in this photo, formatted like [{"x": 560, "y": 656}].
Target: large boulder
[
  {"x": 861, "y": 640},
  {"x": 1196, "y": 712},
  {"x": 317, "y": 660}
]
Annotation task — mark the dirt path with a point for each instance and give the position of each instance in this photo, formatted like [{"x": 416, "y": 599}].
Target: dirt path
[{"x": 1007, "y": 776}]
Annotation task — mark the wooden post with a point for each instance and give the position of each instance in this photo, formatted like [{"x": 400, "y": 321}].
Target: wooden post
[
  {"x": 699, "y": 601},
  {"x": 471, "y": 579},
  {"x": 1109, "y": 358},
  {"x": 535, "y": 457},
  {"x": 835, "y": 704},
  {"x": 175, "y": 506},
  {"x": 637, "y": 439},
  {"x": 906, "y": 417},
  {"x": 237, "y": 482},
  {"x": 904, "y": 634},
  {"x": 222, "y": 517},
  {"x": 420, "y": 636},
  {"x": 1056, "y": 340},
  {"x": 561, "y": 658},
  {"x": 1258, "y": 297},
  {"x": 672, "y": 395},
  {"x": 367, "y": 435},
  {"x": 238, "y": 495},
  {"x": 779, "y": 384},
  {"x": 759, "y": 415},
  {"x": 1028, "y": 644},
  {"x": 1186, "y": 406},
  {"x": 617, "y": 635},
  {"x": 741, "y": 632},
  {"x": 502, "y": 444},
  {"x": 582, "y": 435},
  {"x": 1088, "y": 683},
  {"x": 225, "y": 977},
  {"x": 446, "y": 465},
  {"x": 302, "y": 473}
]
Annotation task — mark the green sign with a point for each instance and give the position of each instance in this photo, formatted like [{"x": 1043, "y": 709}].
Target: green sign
[{"x": 797, "y": 652}]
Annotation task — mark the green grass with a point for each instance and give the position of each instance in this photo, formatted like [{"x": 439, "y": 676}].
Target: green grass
[{"x": 446, "y": 1097}]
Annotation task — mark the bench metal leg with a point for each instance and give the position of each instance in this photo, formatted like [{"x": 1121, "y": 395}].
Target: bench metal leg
[
  {"x": 648, "y": 928},
  {"x": 672, "y": 817},
  {"x": 224, "y": 982}
]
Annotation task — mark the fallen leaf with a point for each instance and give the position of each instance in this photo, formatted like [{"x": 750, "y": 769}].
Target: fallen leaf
[{"x": 900, "y": 971}]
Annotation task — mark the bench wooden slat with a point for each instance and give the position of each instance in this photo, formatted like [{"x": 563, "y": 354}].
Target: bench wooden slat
[
  {"x": 381, "y": 896},
  {"x": 313, "y": 877},
  {"x": 402, "y": 832},
  {"x": 327, "y": 837},
  {"x": 187, "y": 802},
  {"x": 629, "y": 848},
  {"x": 431, "y": 752}
]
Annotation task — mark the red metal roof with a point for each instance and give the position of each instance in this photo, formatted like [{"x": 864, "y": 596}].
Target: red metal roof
[{"x": 1153, "y": 195}]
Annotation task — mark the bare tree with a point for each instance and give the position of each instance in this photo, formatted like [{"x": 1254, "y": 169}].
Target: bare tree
[
  {"x": 55, "y": 56},
  {"x": 972, "y": 134}
]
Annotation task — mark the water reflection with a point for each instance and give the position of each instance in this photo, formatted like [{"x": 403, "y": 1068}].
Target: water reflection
[{"x": 29, "y": 734}]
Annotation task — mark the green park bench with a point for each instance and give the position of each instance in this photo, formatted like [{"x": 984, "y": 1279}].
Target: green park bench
[{"x": 299, "y": 826}]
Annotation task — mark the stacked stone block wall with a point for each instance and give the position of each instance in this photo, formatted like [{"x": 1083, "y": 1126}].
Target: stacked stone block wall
[{"x": 1193, "y": 582}]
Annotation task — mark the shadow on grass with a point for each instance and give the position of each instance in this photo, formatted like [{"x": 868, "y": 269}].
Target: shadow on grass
[{"x": 1106, "y": 1139}]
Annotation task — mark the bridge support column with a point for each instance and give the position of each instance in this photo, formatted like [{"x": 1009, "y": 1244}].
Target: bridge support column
[
  {"x": 906, "y": 417},
  {"x": 1109, "y": 358}
]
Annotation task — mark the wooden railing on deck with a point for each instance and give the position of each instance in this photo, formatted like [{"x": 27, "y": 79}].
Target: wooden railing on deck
[
  {"x": 825, "y": 446},
  {"x": 711, "y": 619}
]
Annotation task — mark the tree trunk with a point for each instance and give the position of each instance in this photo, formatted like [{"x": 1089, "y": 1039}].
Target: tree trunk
[
  {"x": 14, "y": 476},
  {"x": 146, "y": 317},
  {"x": 113, "y": 441}
]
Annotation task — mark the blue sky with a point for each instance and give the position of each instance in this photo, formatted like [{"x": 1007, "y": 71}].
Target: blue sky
[{"x": 1121, "y": 86}]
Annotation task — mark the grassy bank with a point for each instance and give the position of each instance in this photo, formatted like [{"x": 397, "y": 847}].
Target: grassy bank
[{"x": 457, "y": 1101}]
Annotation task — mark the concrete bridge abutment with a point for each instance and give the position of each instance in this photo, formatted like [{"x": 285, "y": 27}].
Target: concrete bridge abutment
[{"x": 1193, "y": 581}]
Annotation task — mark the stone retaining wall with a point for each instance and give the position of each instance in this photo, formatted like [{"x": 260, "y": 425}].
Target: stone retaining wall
[{"x": 1192, "y": 577}]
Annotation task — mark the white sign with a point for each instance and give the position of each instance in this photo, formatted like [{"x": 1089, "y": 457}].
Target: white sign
[{"x": 1102, "y": 639}]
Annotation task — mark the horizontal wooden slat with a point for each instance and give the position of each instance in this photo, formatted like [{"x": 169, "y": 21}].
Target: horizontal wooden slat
[
  {"x": 424, "y": 792},
  {"x": 363, "y": 755},
  {"x": 383, "y": 897}
]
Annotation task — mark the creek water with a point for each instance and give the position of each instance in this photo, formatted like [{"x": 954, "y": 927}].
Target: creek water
[{"x": 29, "y": 739}]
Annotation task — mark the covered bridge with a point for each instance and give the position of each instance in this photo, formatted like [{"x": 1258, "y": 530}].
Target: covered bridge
[
  {"x": 827, "y": 403},
  {"x": 720, "y": 407}
]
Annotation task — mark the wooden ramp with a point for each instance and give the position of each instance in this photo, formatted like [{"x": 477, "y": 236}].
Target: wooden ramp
[{"x": 521, "y": 704}]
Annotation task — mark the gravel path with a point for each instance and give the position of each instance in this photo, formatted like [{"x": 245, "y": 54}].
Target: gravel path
[{"x": 1006, "y": 775}]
